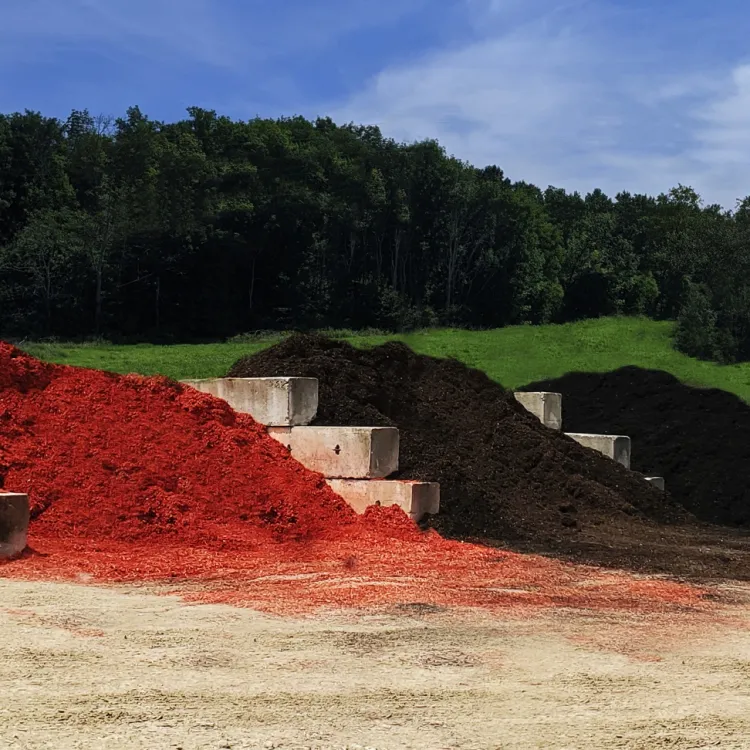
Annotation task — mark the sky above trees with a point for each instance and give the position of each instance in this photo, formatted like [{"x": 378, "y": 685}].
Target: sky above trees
[{"x": 615, "y": 94}]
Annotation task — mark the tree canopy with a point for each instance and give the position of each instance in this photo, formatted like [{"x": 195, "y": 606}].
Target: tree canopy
[{"x": 208, "y": 227}]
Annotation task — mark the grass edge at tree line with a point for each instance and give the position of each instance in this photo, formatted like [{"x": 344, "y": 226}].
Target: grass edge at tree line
[{"x": 513, "y": 356}]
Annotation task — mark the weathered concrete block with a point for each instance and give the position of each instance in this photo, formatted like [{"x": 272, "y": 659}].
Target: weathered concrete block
[
  {"x": 14, "y": 522},
  {"x": 616, "y": 447},
  {"x": 658, "y": 482},
  {"x": 546, "y": 407},
  {"x": 284, "y": 402},
  {"x": 416, "y": 499},
  {"x": 343, "y": 452}
]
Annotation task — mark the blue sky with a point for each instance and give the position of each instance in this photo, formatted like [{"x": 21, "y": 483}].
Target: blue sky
[{"x": 618, "y": 94}]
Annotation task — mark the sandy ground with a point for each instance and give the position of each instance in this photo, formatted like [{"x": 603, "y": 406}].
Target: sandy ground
[{"x": 116, "y": 668}]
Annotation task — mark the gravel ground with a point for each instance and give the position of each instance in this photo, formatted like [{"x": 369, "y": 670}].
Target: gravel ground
[{"x": 131, "y": 668}]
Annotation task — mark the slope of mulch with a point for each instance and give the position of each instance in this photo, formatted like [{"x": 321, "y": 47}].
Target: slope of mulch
[
  {"x": 108, "y": 457},
  {"x": 505, "y": 479},
  {"x": 698, "y": 439}
]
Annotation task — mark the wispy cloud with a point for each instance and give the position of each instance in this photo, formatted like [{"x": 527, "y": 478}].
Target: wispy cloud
[
  {"x": 523, "y": 97},
  {"x": 157, "y": 29},
  {"x": 558, "y": 98},
  {"x": 720, "y": 148},
  {"x": 724, "y": 133},
  {"x": 224, "y": 33}
]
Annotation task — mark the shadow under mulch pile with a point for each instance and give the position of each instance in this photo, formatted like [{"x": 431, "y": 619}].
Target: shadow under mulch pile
[
  {"x": 698, "y": 439},
  {"x": 505, "y": 479}
]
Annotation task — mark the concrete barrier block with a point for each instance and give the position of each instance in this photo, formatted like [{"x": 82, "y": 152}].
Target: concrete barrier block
[
  {"x": 416, "y": 499},
  {"x": 658, "y": 482},
  {"x": 280, "y": 402},
  {"x": 546, "y": 407},
  {"x": 616, "y": 447},
  {"x": 282, "y": 434},
  {"x": 343, "y": 452},
  {"x": 14, "y": 522}
]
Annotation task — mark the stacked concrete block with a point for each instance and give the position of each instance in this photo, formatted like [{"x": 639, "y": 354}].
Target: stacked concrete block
[
  {"x": 14, "y": 523},
  {"x": 279, "y": 402},
  {"x": 343, "y": 452},
  {"x": 354, "y": 460},
  {"x": 416, "y": 499},
  {"x": 657, "y": 482},
  {"x": 616, "y": 447},
  {"x": 546, "y": 407}
]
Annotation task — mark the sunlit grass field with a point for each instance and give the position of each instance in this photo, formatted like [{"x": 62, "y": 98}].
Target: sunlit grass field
[{"x": 512, "y": 356}]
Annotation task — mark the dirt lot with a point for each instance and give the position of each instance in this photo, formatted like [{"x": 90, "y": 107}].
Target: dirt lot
[{"x": 88, "y": 667}]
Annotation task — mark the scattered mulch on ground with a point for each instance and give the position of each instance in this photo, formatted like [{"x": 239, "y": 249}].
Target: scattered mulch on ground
[
  {"x": 361, "y": 569},
  {"x": 505, "y": 478},
  {"x": 698, "y": 439}
]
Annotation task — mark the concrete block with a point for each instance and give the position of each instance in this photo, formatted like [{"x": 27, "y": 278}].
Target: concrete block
[
  {"x": 546, "y": 407},
  {"x": 616, "y": 447},
  {"x": 14, "y": 522},
  {"x": 658, "y": 482},
  {"x": 416, "y": 499},
  {"x": 343, "y": 452},
  {"x": 284, "y": 402},
  {"x": 282, "y": 434}
]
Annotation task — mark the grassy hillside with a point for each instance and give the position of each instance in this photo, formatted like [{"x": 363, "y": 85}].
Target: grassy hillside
[{"x": 513, "y": 356}]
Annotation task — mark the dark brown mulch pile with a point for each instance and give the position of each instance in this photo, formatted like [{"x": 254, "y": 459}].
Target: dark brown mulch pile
[
  {"x": 698, "y": 439},
  {"x": 505, "y": 479}
]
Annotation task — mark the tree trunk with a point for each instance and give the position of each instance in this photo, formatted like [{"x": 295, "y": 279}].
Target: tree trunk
[
  {"x": 48, "y": 300},
  {"x": 158, "y": 302},
  {"x": 98, "y": 309},
  {"x": 251, "y": 290},
  {"x": 395, "y": 259}
]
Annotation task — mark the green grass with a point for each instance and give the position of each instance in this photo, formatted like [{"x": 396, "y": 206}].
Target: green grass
[
  {"x": 513, "y": 356},
  {"x": 179, "y": 361}
]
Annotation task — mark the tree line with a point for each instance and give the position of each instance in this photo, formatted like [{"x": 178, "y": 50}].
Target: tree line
[{"x": 136, "y": 229}]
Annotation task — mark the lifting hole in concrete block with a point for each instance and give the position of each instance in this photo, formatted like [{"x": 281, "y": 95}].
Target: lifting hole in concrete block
[
  {"x": 14, "y": 523},
  {"x": 545, "y": 406},
  {"x": 343, "y": 452},
  {"x": 616, "y": 447},
  {"x": 416, "y": 499},
  {"x": 283, "y": 402}
]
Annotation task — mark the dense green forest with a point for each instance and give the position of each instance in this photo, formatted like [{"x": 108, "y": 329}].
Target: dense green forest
[{"x": 136, "y": 229}]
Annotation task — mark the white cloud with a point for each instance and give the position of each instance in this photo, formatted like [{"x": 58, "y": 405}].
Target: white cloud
[
  {"x": 725, "y": 131},
  {"x": 528, "y": 95},
  {"x": 721, "y": 140},
  {"x": 565, "y": 102}
]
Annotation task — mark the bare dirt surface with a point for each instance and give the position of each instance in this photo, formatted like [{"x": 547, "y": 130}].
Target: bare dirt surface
[{"x": 121, "y": 668}]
